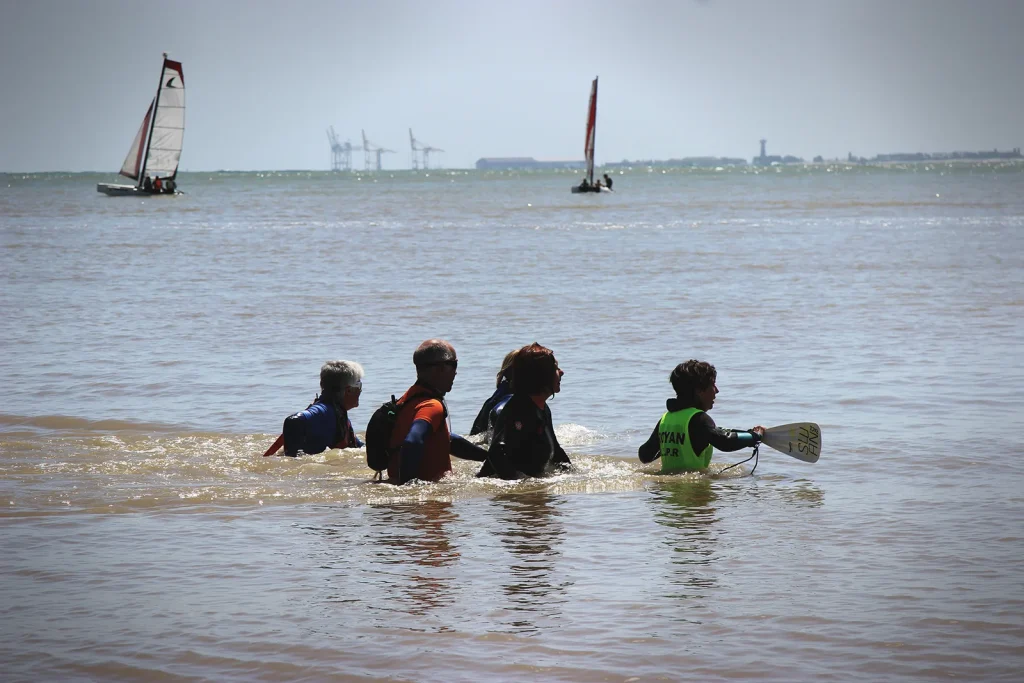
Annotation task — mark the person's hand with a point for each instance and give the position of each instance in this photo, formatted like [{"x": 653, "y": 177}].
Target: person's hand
[{"x": 759, "y": 430}]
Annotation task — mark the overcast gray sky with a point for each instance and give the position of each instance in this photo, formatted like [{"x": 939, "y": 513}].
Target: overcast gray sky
[{"x": 479, "y": 78}]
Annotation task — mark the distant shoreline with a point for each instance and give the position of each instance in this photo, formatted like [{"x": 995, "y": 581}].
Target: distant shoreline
[{"x": 618, "y": 166}]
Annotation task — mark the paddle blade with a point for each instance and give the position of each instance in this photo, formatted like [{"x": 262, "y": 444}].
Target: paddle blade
[
  {"x": 802, "y": 440},
  {"x": 275, "y": 447}
]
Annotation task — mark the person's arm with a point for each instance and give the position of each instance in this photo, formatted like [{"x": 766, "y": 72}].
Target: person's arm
[
  {"x": 480, "y": 423},
  {"x": 294, "y": 432},
  {"x": 559, "y": 458},
  {"x": 703, "y": 431},
  {"x": 650, "y": 450},
  {"x": 412, "y": 450},
  {"x": 354, "y": 441},
  {"x": 466, "y": 450}
]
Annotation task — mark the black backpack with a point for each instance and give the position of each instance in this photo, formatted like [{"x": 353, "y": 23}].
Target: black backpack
[
  {"x": 378, "y": 435},
  {"x": 379, "y": 430}
]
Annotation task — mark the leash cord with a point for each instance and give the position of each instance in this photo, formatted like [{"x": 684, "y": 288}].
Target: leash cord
[{"x": 753, "y": 456}]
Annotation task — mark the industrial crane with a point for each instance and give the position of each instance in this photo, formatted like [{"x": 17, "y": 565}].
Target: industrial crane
[
  {"x": 369, "y": 149},
  {"x": 424, "y": 150},
  {"x": 341, "y": 154}
]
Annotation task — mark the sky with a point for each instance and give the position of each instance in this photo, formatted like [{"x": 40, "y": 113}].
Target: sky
[{"x": 478, "y": 78}]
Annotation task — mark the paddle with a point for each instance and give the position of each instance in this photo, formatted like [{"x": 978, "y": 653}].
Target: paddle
[
  {"x": 801, "y": 440},
  {"x": 275, "y": 447}
]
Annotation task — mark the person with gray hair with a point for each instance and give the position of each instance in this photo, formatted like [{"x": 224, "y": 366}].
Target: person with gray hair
[
  {"x": 421, "y": 442},
  {"x": 325, "y": 423}
]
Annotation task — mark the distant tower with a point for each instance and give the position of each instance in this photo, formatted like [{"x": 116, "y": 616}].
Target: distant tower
[{"x": 763, "y": 143}]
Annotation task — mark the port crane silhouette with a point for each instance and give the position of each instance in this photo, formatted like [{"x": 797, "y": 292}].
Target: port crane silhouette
[
  {"x": 424, "y": 152},
  {"x": 341, "y": 153},
  {"x": 369, "y": 149}
]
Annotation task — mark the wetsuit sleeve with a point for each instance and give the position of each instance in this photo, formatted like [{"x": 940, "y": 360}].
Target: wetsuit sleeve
[
  {"x": 354, "y": 442},
  {"x": 480, "y": 423},
  {"x": 464, "y": 450},
  {"x": 703, "y": 431},
  {"x": 294, "y": 431},
  {"x": 412, "y": 449},
  {"x": 560, "y": 458},
  {"x": 650, "y": 450}
]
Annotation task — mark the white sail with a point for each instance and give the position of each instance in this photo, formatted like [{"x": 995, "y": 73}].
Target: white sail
[
  {"x": 168, "y": 132},
  {"x": 133, "y": 161}
]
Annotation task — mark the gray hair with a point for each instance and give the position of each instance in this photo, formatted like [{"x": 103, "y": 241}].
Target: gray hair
[
  {"x": 432, "y": 351},
  {"x": 335, "y": 375}
]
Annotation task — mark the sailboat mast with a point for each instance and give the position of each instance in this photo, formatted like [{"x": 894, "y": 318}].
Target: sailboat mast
[{"x": 152, "y": 121}]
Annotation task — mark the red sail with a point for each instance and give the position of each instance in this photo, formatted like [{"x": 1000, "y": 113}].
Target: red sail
[
  {"x": 588, "y": 149},
  {"x": 132, "y": 162}
]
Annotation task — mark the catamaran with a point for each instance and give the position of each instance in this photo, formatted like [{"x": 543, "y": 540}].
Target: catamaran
[
  {"x": 588, "y": 148},
  {"x": 157, "y": 146}
]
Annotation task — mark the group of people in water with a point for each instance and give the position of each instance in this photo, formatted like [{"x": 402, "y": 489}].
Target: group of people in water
[
  {"x": 159, "y": 185},
  {"x": 586, "y": 187},
  {"x": 516, "y": 419}
]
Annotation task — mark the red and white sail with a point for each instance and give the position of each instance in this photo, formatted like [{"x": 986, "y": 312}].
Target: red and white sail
[
  {"x": 133, "y": 162},
  {"x": 168, "y": 131},
  {"x": 588, "y": 149}
]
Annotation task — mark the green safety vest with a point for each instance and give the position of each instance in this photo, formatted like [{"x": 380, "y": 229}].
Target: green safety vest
[{"x": 676, "y": 447}]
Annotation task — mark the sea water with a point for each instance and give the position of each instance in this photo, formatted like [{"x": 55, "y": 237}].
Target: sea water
[{"x": 152, "y": 347}]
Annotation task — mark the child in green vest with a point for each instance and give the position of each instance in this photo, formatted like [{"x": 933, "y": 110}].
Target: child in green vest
[{"x": 686, "y": 434}]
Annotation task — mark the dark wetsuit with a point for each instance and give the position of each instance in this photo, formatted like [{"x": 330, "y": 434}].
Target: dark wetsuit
[
  {"x": 485, "y": 418},
  {"x": 702, "y": 432},
  {"x": 524, "y": 442},
  {"x": 320, "y": 426}
]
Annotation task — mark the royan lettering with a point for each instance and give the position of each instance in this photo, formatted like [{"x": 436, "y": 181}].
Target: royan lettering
[{"x": 672, "y": 437}]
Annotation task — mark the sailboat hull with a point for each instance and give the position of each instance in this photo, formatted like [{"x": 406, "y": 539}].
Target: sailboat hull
[
  {"x": 130, "y": 191},
  {"x": 119, "y": 190}
]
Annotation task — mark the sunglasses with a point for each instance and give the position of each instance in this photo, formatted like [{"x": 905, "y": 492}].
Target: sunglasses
[{"x": 453, "y": 364}]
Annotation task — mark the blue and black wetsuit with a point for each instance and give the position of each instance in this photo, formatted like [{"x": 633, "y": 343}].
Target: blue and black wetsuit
[
  {"x": 322, "y": 425},
  {"x": 489, "y": 410}
]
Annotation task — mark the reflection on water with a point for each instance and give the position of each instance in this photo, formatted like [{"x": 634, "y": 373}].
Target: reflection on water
[
  {"x": 532, "y": 531},
  {"x": 414, "y": 547},
  {"x": 685, "y": 506}
]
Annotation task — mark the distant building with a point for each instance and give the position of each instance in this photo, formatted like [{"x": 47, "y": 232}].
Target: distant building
[
  {"x": 769, "y": 159},
  {"x": 525, "y": 163},
  {"x": 917, "y": 157},
  {"x": 684, "y": 162}
]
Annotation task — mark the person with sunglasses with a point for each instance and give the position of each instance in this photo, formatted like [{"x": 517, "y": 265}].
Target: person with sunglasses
[
  {"x": 325, "y": 423},
  {"x": 524, "y": 441},
  {"x": 421, "y": 442}
]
